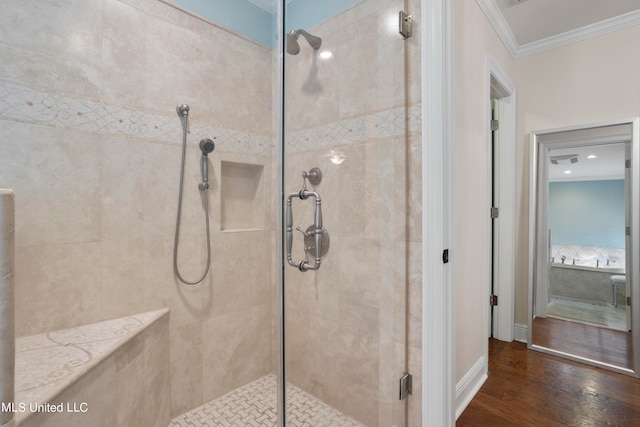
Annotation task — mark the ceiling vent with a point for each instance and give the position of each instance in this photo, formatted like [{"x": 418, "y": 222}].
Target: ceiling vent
[{"x": 564, "y": 160}]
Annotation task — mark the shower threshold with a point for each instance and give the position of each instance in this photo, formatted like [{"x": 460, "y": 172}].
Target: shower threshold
[{"x": 254, "y": 404}]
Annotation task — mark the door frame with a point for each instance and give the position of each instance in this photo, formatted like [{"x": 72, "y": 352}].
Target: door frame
[
  {"x": 538, "y": 235},
  {"x": 438, "y": 316},
  {"x": 499, "y": 87}
]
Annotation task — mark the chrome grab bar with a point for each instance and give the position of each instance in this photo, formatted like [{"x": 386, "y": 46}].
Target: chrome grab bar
[{"x": 317, "y": 230}]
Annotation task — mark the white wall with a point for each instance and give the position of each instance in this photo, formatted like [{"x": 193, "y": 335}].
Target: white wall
[
  {"x": 589, "y": 81},
  {"x": 474, "y": 39}
]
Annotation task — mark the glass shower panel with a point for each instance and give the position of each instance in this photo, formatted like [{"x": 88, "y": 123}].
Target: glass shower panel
[{"x": 345, "y": 113}]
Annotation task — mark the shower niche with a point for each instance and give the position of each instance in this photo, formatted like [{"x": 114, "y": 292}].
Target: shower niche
[{"x": 242, "y": 204}]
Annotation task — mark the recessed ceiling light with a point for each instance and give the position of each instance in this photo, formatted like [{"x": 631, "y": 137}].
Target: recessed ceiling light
[
  {"x": 592, "y": 156},
  {"x": 326, "y": 54},
  {"x": 567, "y": 172}
]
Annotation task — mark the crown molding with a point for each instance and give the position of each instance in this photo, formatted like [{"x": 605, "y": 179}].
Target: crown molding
[
  {"x": 491, "y": 10},
  {"x": 516, "y": 50},
  {"x": 579, "y": 34}
]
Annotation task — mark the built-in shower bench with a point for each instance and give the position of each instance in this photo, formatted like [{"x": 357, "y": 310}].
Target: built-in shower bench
[{"x": 114, "y": 372}]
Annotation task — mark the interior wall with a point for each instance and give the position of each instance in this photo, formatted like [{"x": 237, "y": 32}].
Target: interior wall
[
  {"x": 345, "y": 324},
  {"x": 474, "y": 40},
  {"x": 91, "y": 144},
  {"x": 587, "y": 213},
  {"x": 586, "y": 82}
]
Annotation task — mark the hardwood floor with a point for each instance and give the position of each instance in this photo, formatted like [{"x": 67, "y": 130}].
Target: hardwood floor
[
  {"x": 529, "y": 388},
  {"x": 592, "y": 342}
]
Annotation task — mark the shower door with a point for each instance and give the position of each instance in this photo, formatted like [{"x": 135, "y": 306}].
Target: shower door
[{"x": 349, "y": 153}]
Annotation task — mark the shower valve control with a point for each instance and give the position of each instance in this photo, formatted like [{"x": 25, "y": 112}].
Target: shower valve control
[{"x": 309, "y": 240}]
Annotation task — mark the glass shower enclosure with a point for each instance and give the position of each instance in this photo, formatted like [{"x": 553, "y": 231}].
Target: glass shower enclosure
[
  {"x": 309, "y": 311},
  {"x": 347, "y": 154}
]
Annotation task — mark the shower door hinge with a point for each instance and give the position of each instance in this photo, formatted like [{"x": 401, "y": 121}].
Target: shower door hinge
[
  {"x": 495, "y": 125},
  {"x": 627, "y": 231},
  {"x": 627, "y": 164},
  {"x": 405, "y": 25},
  {"x": 495, "y": 212},
  {"x": 493, "y": 300},
  {"x": 629, "y": 301},
  {"x": 406, "y": 386}
]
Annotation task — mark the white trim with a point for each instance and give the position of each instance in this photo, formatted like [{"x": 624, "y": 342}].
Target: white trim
[
  {"x": 504, "y": 158},
  {"x": 520, "y": 332},
  {"x": 538, "y": 237},
  {"x": 438, "y": 321},
  {"x": 500, "y": 25},
  {"x": 579, "y": 34},
  {"x": 517, "y": 50},
  {"x": 470, "y": 384}
]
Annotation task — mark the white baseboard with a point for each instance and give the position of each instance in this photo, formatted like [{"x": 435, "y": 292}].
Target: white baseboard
[
  {"x": 470, "y": 384},
  {"x": 521, "y": 332}
]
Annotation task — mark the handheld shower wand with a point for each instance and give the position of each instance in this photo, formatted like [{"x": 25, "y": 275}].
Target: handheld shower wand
[{"x": 206, "y": 146}]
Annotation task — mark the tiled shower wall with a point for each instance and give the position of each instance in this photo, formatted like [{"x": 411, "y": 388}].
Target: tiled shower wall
[
  {"x": 90, "y": 142},
  {"x": 346, "y": 324}
]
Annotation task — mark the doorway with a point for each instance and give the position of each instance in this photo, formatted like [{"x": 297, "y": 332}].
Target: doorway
[
  {"x": 501, "y": 96},
  {"x": 584, "y": 208}
]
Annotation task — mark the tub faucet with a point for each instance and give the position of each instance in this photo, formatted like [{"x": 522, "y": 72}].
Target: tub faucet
[
  {"x": 597, "y": 263},
  {"x": 563, "y": 258}
]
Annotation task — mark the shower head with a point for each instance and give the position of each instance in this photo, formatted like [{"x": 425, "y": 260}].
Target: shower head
[
  {"x": 207, "y": 146},
  {"x": 293, "y": 47}
]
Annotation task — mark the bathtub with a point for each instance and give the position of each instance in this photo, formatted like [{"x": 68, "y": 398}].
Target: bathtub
[
  {"x": 114, "y": 372},
  {"x": 583, "y": 283},
  {"x": 583, "y": 273}
]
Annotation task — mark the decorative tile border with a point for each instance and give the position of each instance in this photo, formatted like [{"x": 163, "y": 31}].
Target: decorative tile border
[
  {"x": 384, "y": 124},
  {"x": 19, "y": 103}
]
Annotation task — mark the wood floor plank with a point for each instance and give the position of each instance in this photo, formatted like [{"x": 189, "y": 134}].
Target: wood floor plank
[
  {"x": 529, "y": 388},
  {"x": 592, "y": 342}
]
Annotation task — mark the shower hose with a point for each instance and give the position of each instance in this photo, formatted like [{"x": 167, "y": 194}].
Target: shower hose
[{"x": 185, "y": 125}]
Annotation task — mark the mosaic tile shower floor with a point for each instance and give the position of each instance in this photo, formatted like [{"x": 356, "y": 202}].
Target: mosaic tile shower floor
[{"x": 255, "y": 404}]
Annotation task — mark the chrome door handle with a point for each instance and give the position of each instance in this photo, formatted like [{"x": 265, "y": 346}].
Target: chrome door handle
[{"x": 316, "y": 231}]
